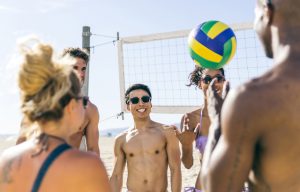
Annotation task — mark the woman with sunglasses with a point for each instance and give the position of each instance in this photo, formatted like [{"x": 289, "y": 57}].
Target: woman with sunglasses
[
  {"x": 52, "y": 104},
  {"x": 194, "y": 125}
]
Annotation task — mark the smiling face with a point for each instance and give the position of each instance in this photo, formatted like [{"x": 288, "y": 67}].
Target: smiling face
[
  {"x": 207, "y": 76},
  {"x": 139, "y": 104}
]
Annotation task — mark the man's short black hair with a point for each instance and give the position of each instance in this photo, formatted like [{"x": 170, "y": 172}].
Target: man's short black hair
[
  {"x": 136, "y": 87},
  {"x": 77, "y": 52}
]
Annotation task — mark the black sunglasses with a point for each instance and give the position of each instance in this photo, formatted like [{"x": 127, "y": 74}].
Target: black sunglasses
[
  {"x": 85, "y": 101},
  {"x": 207, "y": 79},
  {"x": 136, "y": 100}
]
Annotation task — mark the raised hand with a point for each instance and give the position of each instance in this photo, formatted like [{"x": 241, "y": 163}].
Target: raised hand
[
  {"x": 215, "y": 100},
  {"x": 215, "y": 103},
  {"x": 187, "y": 134}
]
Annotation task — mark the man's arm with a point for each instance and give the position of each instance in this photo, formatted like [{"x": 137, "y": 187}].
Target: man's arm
[
  {"x": 116, "y": 179},
  {"x": 230, "y": 149},
  {"x": 92, "y": 132},
  {"x": 173, "y": 153}
]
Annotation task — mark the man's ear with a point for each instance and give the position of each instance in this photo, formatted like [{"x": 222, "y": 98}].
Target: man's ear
[
  {"x": 127, "y": 106},
  {"x": 70, "y": 106}
]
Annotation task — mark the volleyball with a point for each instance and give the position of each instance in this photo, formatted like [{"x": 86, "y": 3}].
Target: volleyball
[{"x": 212, "y": 44}]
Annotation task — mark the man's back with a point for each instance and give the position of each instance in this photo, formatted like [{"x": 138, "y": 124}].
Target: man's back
[{"x": 274, "y": 113}]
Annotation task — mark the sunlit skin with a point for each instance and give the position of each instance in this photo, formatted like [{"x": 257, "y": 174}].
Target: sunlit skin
[
  {"x": 255, "y": 134},
  {"x": 148, "y": 149},
  {"x": 89, "y": 128}
]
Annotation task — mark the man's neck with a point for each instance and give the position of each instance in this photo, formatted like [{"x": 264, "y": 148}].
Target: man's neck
[{"x": 142, "y": 123}]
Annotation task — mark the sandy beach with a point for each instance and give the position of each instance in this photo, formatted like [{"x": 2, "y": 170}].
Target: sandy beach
[{"x": 106, "y": 149}]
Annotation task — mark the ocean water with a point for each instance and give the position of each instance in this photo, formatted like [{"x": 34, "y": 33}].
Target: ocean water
[{"x": 112, "y": 132}]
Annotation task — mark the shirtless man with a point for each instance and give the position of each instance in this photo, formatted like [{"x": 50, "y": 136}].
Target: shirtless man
[
  {"x": 148, "y": 148},
  {"x": 256, "y": 137},
  {"x": 89, "y": 128}
]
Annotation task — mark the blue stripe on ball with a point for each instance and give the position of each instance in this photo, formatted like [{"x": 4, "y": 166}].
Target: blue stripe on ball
[
  {"x": 211, "y": 44},
  {"x": 224, "y": 36}
]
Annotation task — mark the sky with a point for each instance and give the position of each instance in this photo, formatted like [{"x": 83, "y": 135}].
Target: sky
[{"x": 60, "y": 23}]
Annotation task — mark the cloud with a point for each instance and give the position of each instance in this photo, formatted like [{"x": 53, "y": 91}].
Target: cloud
[
  {"x": 48, "y": 6},
  {"x": 53, "y": 5},
  {"x": 4, "y": 8},
  {"x": 8, "y": 80}
]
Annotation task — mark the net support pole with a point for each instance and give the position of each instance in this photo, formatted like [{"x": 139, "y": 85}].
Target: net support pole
[
  {"x": 121, "y": 72},
  {"x": 86, "y": 36}
]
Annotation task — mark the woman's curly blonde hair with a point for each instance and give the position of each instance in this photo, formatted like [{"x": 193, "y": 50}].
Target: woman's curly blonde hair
[{"x": 47, "y": 84}]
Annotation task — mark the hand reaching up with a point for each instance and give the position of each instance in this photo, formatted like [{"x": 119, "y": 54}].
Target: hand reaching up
[
  {"x": 187, "y": 134},
  {"x": 215, "y": 102}
]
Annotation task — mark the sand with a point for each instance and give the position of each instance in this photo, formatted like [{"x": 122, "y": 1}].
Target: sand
[{"x": 106, "y": 149}]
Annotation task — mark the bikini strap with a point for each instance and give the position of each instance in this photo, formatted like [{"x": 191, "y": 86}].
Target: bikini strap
[
  {"x": 201, "y": 117},
  {"x": 47, "y": 163}
]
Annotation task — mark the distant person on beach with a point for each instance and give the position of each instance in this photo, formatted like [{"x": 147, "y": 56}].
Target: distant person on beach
[
  {"x": 194, "y": 125},
  {"x": 255, "y": 136},
  {"x": 51, "y": 100},
  {"x": 89, "y": 128},
  {"x": 148, "y": 148}
]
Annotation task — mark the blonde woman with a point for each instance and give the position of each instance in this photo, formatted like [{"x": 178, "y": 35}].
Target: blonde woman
[{"x": 51, "y": 100}]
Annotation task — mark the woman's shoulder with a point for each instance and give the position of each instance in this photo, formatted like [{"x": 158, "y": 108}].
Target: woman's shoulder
[
  {"x": 86, "y": 168},
  {"x": 16, "y": 151},
  {"x": 82, "y": 157}
]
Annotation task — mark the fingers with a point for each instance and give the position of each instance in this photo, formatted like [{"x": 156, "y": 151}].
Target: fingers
[
  {"x": 226, "y": 88},
  {"x": 212, "y": 91},
  {"x": 197, "y": 128},
  {"x": 185, "y": 123}
]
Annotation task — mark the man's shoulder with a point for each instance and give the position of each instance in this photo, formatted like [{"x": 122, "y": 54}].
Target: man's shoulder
[
  {"x": 92, "y": 107},
  {"x": 168, "y": 130},
  {"x": 253, "y": 91},
  {"x": 121, "y": 136},
  {"x": 92, "y": 111},
  {"x": 245, "y": 100},
  {"x": 163, "y": 127}
]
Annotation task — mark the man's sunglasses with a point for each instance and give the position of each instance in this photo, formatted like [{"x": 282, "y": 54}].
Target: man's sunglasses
[
  {"x": 207, "y": 79},
  {"x": 136, "y": 100},
  {"x": 85, "y": 101}
]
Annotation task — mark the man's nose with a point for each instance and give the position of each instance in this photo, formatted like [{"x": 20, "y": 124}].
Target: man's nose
[{"x": 81, "y": 74}]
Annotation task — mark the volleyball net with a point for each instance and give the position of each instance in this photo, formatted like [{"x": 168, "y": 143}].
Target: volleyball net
[{"x": 162, "y": 62}]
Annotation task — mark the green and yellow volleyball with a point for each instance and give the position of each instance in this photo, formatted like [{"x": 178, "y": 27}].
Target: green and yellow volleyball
[{"x": 212, "y": 44}]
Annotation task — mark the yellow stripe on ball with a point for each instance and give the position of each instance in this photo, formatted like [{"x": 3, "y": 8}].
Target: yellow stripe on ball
[
  {"x": 203, "y": 51},
  {"x": 233, "y": 44},
  {"x": 218, "y": 28}
]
